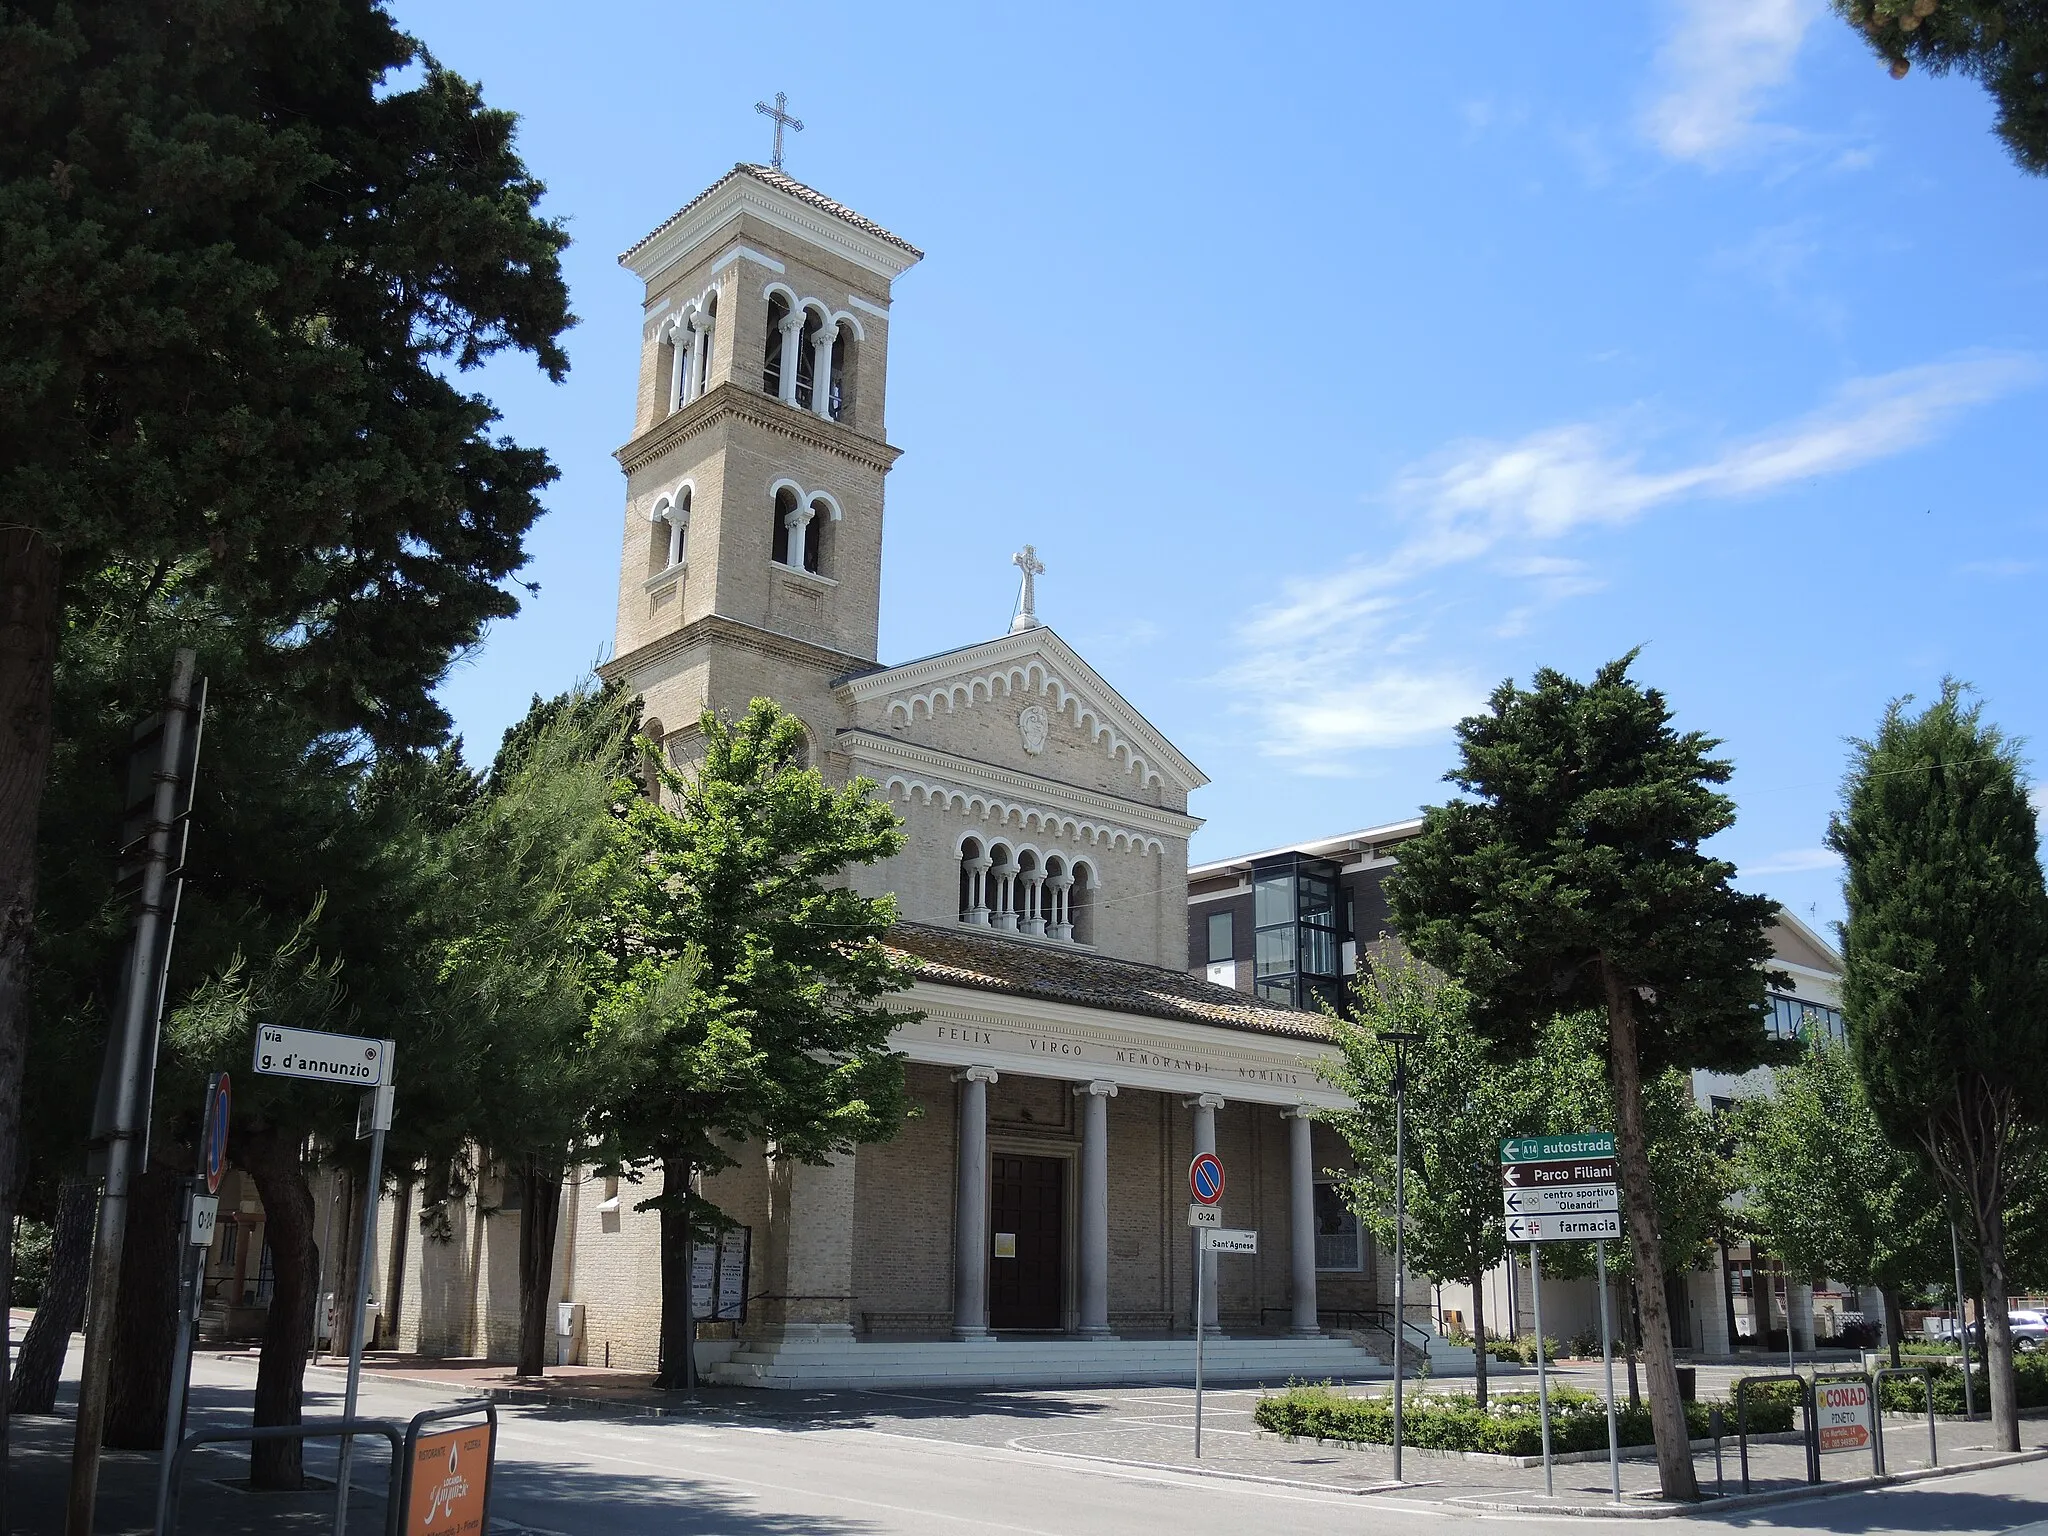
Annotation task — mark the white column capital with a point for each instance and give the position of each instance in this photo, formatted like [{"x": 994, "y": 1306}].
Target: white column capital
[
  {"x": 702, "y": 320},
  {"x": 1300, "y": 1112},
  {"x": 1101, "y": 1089},
  {"x": 792, "y": 324},
  {"x": 975, "y": 1075},
  {"x": 1203, "y": 1101}
]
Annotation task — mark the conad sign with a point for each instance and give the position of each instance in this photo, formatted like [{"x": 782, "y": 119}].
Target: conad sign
[{"x": 1844, "y": 1415}]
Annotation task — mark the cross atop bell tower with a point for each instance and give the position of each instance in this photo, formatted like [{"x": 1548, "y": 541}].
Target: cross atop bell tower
[
  {"x": 752, "y": 541},
  {"x": 782, "y": 120}
]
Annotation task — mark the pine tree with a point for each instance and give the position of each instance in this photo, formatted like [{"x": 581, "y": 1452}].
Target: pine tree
[
  {"x": 1571, "y": 877},
  {"x": 2003, "y": 43},
  {"x": 243, "y": 256},
  {"x": 1945, "y": 971},
  {"x": 756, "y": 1008}
]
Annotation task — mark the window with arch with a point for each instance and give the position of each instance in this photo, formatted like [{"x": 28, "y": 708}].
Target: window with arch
[
  {"x": 688, "y": 346},
  {"x": 839, "y": 401},
  {"x": 1045, "y": 896},
  {"x": 670, "y": 539},
  {"x": 802, "y": 528},
  {"x": 807, "y": 361},
  {"x": 775, "y": 362},
  {"x": 652, "y": 735}
]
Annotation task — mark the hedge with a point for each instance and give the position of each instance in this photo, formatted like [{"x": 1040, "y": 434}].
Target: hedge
[
  {"x": 1908, "y": 1394},
  {"x": 1508, "y": 1426}
]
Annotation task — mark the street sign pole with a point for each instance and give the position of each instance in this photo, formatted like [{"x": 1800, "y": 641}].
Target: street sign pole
[
  {"x": 1607, "y": 1361},
  {"x": 1205, "y": 1183},
  {"x": 377, "y": 1101},
  {"x": 123, "y": 1087},
  {"x": 1542, "y": 1367}
]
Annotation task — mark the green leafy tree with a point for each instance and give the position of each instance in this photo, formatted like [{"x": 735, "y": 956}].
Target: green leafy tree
[
  {"x": 243, "y": 252},
  {"x": 1461, "y": 1104},
  {"x": 1571, "y": 877},
  {"x": 755, "y": 1008},
  {"x": 1829, "y": 1192},
  {"x": 538, "y": 877},
  {"x": 2002, "y": 43},
  {"x": 1945, "y": 971}
]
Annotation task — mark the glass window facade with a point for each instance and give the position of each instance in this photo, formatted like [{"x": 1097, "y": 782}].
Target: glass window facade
[
  {"x": 1298, "y": 945},
  {"x": 1791, "y": 1018}
]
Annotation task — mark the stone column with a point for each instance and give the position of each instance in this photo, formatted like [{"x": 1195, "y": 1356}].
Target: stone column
[
  {"x": 700, "y": 351},
  {"x": 1095, "y": 1099},
  {"x": 1301, "y": 1206},
  {"x": 1062, "y": 926},
  {"x": 792, "y": 333},
  {"x": 1004, "y": 907},
  {"x": 1205, "y": 1106},
  {"x": 798, "y": 522},
  {"x": 970, "y": 1208},
  {"x": 822, "y": 343},
  {"x": 678, "y": 337},
  {"x": 1032, "y": 916},
  {"x": 977, "y": 906}
]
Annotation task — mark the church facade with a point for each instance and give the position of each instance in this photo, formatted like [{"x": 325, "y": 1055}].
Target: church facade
[{"x": 1029, "y": 1223}]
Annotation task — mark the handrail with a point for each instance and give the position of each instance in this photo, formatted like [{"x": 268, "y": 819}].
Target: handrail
[
  {"x": 318, "y": 1430},
  {"x": 1877, "y": 1408},
  {"x": 1806, "y": 1408}
]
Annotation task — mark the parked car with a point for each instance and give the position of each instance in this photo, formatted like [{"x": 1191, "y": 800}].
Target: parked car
[{"x": 2029, "y": 1331}]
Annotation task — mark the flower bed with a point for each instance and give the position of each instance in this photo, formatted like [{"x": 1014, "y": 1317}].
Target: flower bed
[{"x": 1508, "y": 1426}]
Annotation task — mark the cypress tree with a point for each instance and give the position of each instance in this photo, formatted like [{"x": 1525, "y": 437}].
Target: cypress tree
[
  {"x": 1571, "y": 877},
  {"x": 1946, "y": 970}
]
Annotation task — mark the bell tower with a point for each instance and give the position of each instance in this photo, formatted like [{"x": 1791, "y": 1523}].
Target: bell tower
[{"x": 752, "y": 548}]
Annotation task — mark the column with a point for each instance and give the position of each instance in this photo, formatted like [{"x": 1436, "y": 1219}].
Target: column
[
  {"x": 1301, "y": 1205},
  {"x": 1005, "y": 907},
  {"x": 678, "y": 362},
  {"x": 792, "y": 332},
  {"x": 798, "y": 523},
  {"x": 822, "y": 342},
  {"x": 1062, "y": 927},
  {"x": 1205, "y": 1107},
  {"x": 1033, "y": 920},
  {"x": 701, "y": 323},
  {"x": 1095, "y": 1099},
  {"x": 977, "y": 908},
  {"x": 970, "y": 1208}
]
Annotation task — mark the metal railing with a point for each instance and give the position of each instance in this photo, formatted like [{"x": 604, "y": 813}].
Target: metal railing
[
  {"x": 1806, "y": 1408},
  {"x": 1877, "y": 1379},
  {"x": 320, "y": 1430}
]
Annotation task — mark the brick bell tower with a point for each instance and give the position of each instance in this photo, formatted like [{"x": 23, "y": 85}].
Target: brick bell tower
[{"x": 752, "y": 550}]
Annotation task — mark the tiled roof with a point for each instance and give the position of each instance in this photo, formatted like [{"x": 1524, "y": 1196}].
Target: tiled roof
[
  {"x": 989, "y": 962},
  {"x": 769, "y": 176}
]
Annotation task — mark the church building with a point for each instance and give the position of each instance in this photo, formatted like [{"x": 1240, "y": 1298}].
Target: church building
[{"x": 1029, "y": 1225}]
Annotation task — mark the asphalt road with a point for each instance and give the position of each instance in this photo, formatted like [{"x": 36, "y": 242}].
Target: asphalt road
[{"x": 566, "y": 1473}]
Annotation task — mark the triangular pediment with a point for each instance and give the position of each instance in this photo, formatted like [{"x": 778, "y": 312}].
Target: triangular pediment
[{"x": 1031, "y": 666}]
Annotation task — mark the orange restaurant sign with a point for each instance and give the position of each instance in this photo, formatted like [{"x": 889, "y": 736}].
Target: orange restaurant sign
[{"x": 448, "y": 1476}]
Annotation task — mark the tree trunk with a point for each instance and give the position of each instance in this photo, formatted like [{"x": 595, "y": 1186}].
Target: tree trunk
[
  {"x": 146, "y": 1319},
  {"x": 1639, "y": 1195},
  {"x": 41, "y": 1364},
  {"x": 540, "y": 1188},
  {"x": 1631, "y": 1336},
  {"x": 1894, "y": 1321},
  {"x": 1479, "y": 1338},
  {"x": 678, "y": 1327},
  {"x": 1728, "y": 1291},
  {"x": 31, "y": 582},
  {"x": 272, "y": 1160},
  {"x": 394, "y": 1275},
  {"x": 2005, "y": 1412}
]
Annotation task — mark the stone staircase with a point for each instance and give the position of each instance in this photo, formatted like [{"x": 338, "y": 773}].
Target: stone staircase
[{"x": 1045, "y": 1362}]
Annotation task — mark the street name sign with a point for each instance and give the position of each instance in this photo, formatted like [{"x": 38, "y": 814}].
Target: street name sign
[
  {"x": 1550, "y": 1175},
  {"x": 1205, "y": 1215},
  {"x": 1578, "y": 1201},
  {"x": 324, "y": 1058},
  {"x": 1844, "y": 1415},
  {"x": 1230, "y": 1240},
  {"x": 1596, "y": 1227}
]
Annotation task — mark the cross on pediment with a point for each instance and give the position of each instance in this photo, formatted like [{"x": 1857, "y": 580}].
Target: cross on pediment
[
  {"x": 1027, "y": 561},
  {"x": 782, "y": 120}
]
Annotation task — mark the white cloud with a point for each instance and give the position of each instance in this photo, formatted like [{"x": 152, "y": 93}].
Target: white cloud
[
  {"x": 1793, "y": 861},
  {"x": 1722, "y": 59},
  {"x": 1500, "y": 503}
]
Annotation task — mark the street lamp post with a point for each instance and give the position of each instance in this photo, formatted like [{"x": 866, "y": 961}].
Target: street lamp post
[{"x": 1400, "y": 1040}]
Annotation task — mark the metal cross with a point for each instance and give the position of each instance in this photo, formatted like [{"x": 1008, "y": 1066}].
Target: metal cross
[
  {"x": 1027, "y": 561},
  {"x": 782, "y": 120}
]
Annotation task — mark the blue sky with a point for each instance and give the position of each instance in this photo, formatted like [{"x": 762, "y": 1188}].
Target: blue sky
[{"x": 1342, "y": 362}]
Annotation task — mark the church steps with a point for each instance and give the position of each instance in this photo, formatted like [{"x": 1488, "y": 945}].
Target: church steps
[{"x": 1039, "y": 1363}]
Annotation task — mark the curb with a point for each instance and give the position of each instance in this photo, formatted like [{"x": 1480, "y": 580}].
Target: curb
[
  {"x": 1216, "y": 1472},
  {"x": 1713, "y": 1508}
]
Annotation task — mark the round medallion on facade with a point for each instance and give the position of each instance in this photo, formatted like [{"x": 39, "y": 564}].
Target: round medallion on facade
[{"x": 1034, "y": 724}]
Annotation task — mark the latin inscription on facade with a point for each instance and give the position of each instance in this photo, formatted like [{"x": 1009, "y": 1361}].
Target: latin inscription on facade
[{"x": 1060, "y": 1048}]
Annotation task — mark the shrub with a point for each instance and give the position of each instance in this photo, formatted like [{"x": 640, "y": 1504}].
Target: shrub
[
  {"x": 31, "y": 1263},
  {"x": 1908, "y": 1394},
  {"x": 1510, "y": 1425}
]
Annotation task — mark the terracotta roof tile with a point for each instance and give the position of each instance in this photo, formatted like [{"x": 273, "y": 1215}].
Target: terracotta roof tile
[
  {"x": 989, "y": 962},
  {"x": 769, "y": 176}
]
